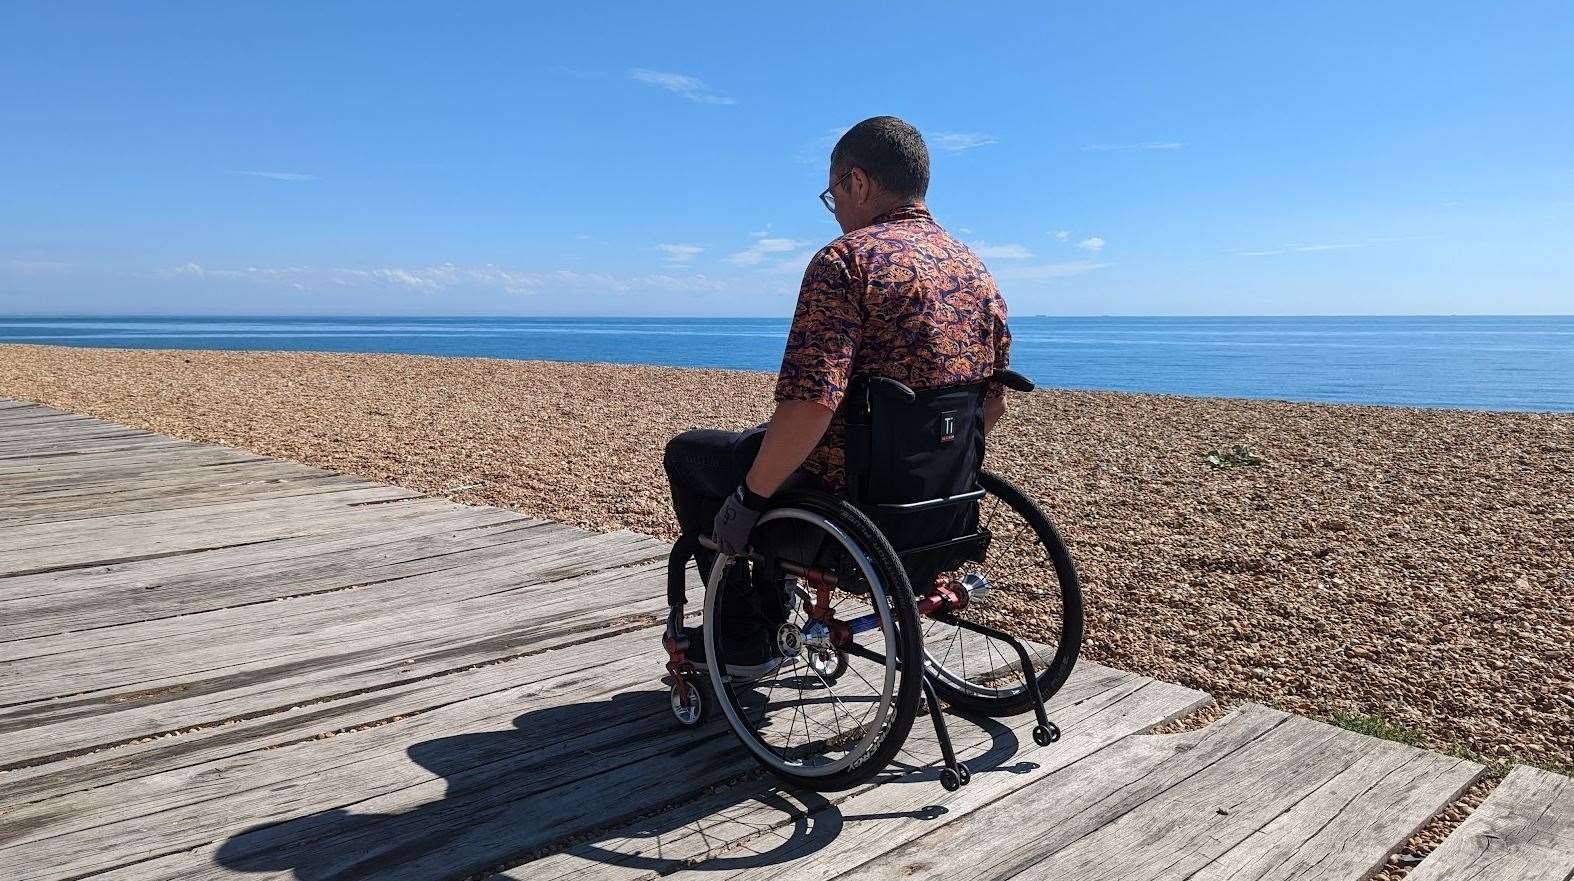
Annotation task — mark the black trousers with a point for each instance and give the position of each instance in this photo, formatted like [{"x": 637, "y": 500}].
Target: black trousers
[{"x": 704, "y": 466}]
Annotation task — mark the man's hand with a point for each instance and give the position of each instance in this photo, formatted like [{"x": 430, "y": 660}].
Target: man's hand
[{"x": 733, "y": 524}]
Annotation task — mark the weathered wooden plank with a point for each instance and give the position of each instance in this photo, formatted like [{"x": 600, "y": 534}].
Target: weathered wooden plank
[
  {"x": 153, "y": 756},
  {"x": 152, "y": 498},
  {"x": 195, "y": 504},
  {"x": 71, "y": 478},
  {"x": 132, "y": 453},
  {"x": 624, "y": 755},
  {"x": 45, "y": 605},
  {"x": 363, "y": 655},
  {"x": 1257, "y": 795},
  {"x": 173, "y": 453},
  {"x": 504, "y": 561},
  {"x": 759, "y": 825},
  {"x": 77, "y": 494},
  {"x": 565, "y": 696},
  {"x": 410, "y": 520},
  {"x": 16, "y": 444},
  {"x": 22, "y": 538},
  {"x": 57, "y": 474},
  {"x": 308, "y": 516},
  {"x": 1524, "y": 831}
]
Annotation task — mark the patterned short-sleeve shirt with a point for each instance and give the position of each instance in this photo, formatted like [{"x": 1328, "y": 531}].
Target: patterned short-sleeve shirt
[{"x": 899, "y": 298}]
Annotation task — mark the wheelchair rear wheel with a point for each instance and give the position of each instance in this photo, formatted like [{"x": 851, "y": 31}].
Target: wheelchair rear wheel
[
  {"x": 1032, "y": 591},
  {"x": 843, "y": 694}
]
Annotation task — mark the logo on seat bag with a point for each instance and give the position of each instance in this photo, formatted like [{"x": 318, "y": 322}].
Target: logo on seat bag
[{"x": 948, "y": 427}]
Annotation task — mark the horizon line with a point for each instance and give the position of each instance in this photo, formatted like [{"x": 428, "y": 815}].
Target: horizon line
[{"x": 490, "y": 315}]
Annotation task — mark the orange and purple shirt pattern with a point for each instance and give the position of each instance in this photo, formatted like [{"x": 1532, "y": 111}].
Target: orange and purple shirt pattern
[{"x": 898, "y": 298}]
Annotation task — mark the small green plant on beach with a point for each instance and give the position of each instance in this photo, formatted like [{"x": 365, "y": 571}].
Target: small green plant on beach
[
  {"x": 1497, "y": 768},
  {"x": 1377, "y": 726},
  {"x": 1234, "y": 457}
]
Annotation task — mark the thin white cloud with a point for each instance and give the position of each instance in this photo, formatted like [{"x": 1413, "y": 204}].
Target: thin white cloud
[
  {"x": 1131, "y": 148},
  {"x": 680, "y": 254},
  {"x": 755, "y": 254},
  {"x": 291, "y": 176},
  {"x": 956, "y": 142},
  {"x": 691, "y": 88},
  {"x": 35, "y": 267},
  {"x": 1327, "y": 246},
  {"x": 1047, "y": 271},
  {"x": 444, "y": 276},
  {"x": 1091, "y": 243},
  {"x": 1061, "y": 234},
  {"x": 1000, "y": 252}
]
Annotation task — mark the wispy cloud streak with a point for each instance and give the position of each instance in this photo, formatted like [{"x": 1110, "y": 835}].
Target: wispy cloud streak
[
  {"x": 691, "y": 88},
  {"x": 444, "y": 276},
  {"x": 1132, "y": 148},
  {"x": 756, "y": 253},
  {"x": 291, "y": 176},
  {"x": 1000, "y": 252},
  {"x": 1327, "y": 246},
  {"x": 1047, "y": 271},
  {"x": 679, "y": 254},
  {"x": 956, "y": 142}
]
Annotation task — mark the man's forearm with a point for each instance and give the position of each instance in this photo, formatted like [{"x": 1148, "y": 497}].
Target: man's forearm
[
  {"x": 794, "y": 429},
  {"x": 994, "y": 408}
]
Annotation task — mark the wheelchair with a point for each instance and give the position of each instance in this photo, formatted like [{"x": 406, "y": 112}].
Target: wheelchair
[{"x": 884, "y": 599}]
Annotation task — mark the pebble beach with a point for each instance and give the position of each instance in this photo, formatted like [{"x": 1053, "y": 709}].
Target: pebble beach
[{"x": 1412, "y": 568}]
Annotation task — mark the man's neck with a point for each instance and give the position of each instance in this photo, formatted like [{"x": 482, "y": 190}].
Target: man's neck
[{"x": 895, "y": 205}]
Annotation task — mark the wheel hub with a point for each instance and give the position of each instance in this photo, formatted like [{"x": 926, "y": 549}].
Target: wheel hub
[{"x": 790, "y": 640}]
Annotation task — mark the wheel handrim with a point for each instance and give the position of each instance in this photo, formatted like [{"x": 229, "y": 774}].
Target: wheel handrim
[{"x": 729, "y": 699}]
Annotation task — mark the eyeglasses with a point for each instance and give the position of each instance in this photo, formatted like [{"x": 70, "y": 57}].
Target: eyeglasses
[{"x": 828, "y": 198}]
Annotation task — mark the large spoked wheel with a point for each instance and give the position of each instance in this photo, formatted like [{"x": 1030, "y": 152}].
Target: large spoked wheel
[
  {"x": 833, "y": 703},
  {"x": 1032, "y": 593}
]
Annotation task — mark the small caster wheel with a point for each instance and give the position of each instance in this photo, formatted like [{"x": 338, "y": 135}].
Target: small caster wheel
[
  {"x": 688, "y": 701},
  {"x": 950, "y": 779},
  {"x": 830, "y": 664},
  {"x": 1046, "y": 735},
  {"x": 964, "y": 773}
]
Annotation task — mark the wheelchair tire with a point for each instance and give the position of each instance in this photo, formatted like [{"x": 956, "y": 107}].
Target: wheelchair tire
[
  {"x": 955, "y": 689},
  {"x": 873, "y": 743}
]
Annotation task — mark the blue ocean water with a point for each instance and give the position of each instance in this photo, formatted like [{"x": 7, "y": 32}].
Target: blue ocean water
[{"x": 1472, "y": 362}]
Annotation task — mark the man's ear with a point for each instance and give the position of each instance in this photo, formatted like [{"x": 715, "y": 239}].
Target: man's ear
[{"x": 863, "y": 187}]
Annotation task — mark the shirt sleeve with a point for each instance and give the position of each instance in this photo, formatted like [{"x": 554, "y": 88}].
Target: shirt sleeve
[
  {"x": 1002, "y": 336},
  {"x": 827, "y": 328}
]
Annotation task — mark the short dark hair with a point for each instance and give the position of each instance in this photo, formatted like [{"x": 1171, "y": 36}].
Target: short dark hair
[{"x": 890, "y": 151}]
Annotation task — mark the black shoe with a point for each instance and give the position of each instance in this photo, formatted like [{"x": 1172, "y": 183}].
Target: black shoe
[{"x": 751, "y": 656}]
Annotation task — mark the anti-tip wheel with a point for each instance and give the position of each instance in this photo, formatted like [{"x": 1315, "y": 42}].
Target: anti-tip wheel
[
  {"x": 830, "y": 664},
  {"x": 688, "y": 702},
  {"x": 950, "y": 779},
  {"x": 1044, "y": 736}
]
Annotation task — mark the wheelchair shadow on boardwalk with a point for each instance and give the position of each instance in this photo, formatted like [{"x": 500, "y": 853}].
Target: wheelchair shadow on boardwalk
[{"x": 493, "y": 780}]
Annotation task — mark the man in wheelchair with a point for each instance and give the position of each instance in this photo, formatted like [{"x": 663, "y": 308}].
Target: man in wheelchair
[{"x": 895, "y": 297}]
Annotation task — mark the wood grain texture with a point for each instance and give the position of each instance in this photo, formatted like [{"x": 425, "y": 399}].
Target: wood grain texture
[
  {"x": 1524, "y": 831},
  {"x": 218, "y": 665}
]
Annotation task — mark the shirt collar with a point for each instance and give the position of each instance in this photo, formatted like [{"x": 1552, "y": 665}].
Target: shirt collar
[{"x": 904, "y": 212}]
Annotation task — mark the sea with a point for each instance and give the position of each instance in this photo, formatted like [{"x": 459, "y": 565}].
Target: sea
[{"x": 1464, "y": 362}]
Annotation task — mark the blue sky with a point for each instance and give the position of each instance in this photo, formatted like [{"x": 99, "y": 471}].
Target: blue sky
[{"x": 631, "y": 159}]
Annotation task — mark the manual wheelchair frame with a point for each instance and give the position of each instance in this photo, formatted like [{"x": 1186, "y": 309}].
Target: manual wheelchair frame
[{"x": 919, "y": 510}]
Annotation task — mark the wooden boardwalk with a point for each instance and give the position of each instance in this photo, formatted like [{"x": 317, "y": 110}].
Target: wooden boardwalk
[{"x": 218, "y": 665}]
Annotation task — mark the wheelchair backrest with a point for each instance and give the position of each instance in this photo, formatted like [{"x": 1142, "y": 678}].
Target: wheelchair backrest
[
  {"x": 913, "y": 459},
  {"x": 914, "y": 448}
]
